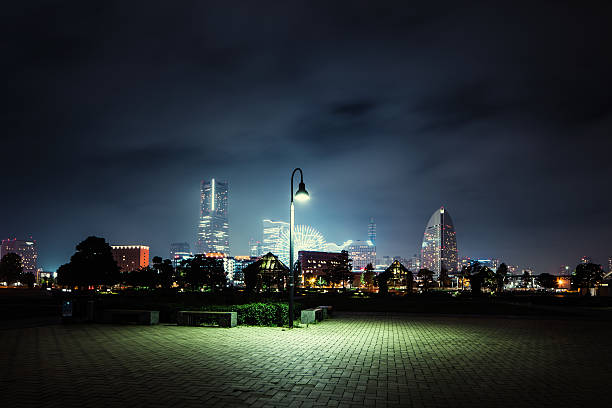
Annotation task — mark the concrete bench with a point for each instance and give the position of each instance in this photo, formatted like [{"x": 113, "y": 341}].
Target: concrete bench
[
  {"x": 327, "y": 311},
  {"x": 196, "y": 318},
  {"x": 311, "y": 315},
  {"x": 148, "y": 317}
]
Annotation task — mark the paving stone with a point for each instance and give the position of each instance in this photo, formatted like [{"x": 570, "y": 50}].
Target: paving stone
[{"x": 380, "y": 360}]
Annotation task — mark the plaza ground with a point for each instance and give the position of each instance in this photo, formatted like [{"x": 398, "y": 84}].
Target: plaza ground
[{"x": 354, "y": 359}]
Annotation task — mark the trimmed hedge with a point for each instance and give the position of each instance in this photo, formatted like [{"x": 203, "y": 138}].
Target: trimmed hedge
[{"x": 259, "y": 313}]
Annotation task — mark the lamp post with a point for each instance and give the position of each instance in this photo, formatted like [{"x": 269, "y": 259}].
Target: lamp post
[{"x": 300, "y": 195}]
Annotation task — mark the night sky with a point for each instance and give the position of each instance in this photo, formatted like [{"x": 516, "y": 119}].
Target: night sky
[{"x": 112, "y": 114}]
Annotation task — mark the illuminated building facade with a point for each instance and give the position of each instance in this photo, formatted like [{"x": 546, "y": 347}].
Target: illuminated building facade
[
  {"x": 415, "y": 263},
  {"x": 255, "y": 248},
  {"x": 492, "y": 264},
  {"x": 610, "y": 264},
  {"x": 318, "y": 263},
  {"x": 213, "y": 228},
  {"x": 25, "y": 249},
  {"x": 130, "y": 257},
  {"x": 179, "y": 251},
  {"x": 362, "y": 253},
  {"x": 439, "y": 248},
  {"x": 464, "y": 262},
  {"x": 586, "y": 260},
  {"x": 273, "y": 231},
  {"x": 513, "y": 269},
  {"x": 241, "y": 262}
]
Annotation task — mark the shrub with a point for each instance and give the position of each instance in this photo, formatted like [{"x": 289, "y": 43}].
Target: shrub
[{"x": 259, "y": 313}]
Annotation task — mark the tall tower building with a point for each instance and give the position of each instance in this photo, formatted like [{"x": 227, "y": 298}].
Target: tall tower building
[
  {"x": 25, "y": 249},
  {"x": 372, "y": 231},
  {"x": 273, "y": 232},
  {"x": 213, "y": 228},
  {"x": 439, "y": 249}
]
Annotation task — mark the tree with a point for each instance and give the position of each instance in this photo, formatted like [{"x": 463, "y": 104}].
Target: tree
[
  {"x": 28, "y": 279},
  {"x": 204, "y": 271},
  {"x": 91, "y": 265},
  {"x": 501, "y": 277},
  {"x": 587, "y": 276},
  {"x": 10, "y": 268},
  {"x": 546, "y": 280},
  {"x": 368, "y": 276},
  {"x": 465, "y": 275},
  {"x": 443, "y": 278},
  {"x": 337, "y": 274},
  {"x": 409, "y": 280},
  {"x": 479, "y": 276},
  {"x": 252, "y": 278},
  {"x": 145, "y": 277},
  {"x": 165, "y": 272},
  {"x": 426, "y": 277},
  {"x": 297, "y": 274},
  {"x": 382, "y": 280}
]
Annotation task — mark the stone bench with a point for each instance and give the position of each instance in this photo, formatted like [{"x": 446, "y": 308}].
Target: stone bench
[
  {"x": 311, "y": 315},
  {"x": 148, "y": 317},
  {"x": 327, "y": 311},
  {"x": 196, "y": 318}
]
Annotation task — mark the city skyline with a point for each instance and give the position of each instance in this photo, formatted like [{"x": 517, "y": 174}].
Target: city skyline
[
  {"x": 390, "y": 110},
  {"x": 222, "y": 197}
]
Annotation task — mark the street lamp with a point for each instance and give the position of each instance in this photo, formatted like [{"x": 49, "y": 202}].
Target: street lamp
[{"x": 300, "y": 195}]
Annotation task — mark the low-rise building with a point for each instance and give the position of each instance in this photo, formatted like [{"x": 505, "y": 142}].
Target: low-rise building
[{"x": 130, "y": 257}]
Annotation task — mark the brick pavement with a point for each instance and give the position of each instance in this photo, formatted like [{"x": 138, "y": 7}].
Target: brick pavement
[{"x": 351, "y": 360}]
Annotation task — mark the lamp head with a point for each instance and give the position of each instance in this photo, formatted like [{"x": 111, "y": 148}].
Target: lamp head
[{"x": 301, "y": 194}]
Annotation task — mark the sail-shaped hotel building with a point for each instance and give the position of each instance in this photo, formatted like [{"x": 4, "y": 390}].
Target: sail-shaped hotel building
[{"x": 439, "y": 249}]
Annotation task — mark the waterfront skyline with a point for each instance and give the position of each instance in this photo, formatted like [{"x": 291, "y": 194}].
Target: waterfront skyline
[{"x": 499, "y": 112}]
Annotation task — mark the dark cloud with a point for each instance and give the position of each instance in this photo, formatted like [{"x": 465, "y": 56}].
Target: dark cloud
[
  {"x": 113, "y": 112},
  {"x": 358, "y": 108}
]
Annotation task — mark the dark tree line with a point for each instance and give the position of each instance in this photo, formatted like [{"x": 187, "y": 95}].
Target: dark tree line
[
  {"x": 587, "y": 276},
  {"x": 11, "y": 270},
  {"x": 92, "y": 265},
  {"x": 481, "y": 276}
]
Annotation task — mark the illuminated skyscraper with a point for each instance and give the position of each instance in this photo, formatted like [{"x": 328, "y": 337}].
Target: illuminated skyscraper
[
  {"x": 25, "y": 249},
  {"x": 213, "y": 229},
  {"x": 372, "y": 231},
  {"x": 273, "y": 232},
  {"x": 439, "y": 249}
]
